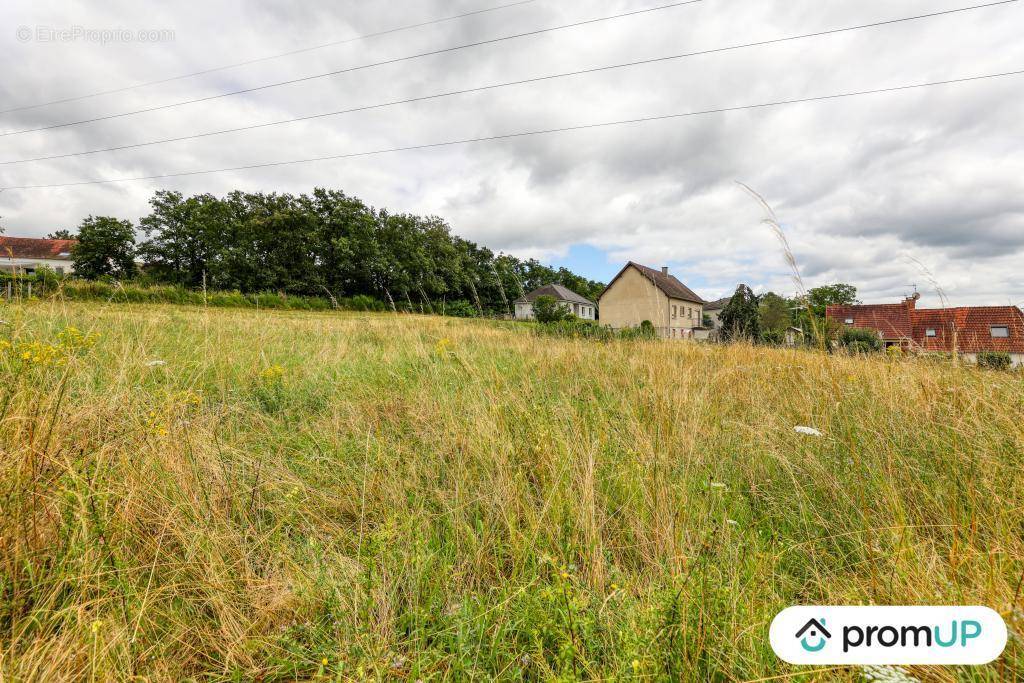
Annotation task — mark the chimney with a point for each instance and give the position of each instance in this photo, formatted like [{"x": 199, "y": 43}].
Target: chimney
[
  {"x": 911, "y": 301},
  {"x": 664, "y": 270}
]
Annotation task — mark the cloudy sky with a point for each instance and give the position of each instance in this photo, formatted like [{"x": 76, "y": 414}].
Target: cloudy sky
[{"x": 863, "y": 186}]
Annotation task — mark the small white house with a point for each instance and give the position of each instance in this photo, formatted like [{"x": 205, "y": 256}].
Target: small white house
[
  {"x": 570, "y": 300},
  {"x": 26, "y": 255}
]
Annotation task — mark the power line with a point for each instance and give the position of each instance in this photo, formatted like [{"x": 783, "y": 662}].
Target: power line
[
  {"x": 337, "y": 72},
  {"x": 494, "y": 86},
  {"x": 507, "y": 136},
  {"x": 267, "y": 58}
]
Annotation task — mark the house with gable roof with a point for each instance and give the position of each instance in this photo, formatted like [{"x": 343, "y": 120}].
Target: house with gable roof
[{"x": 640, "y": 293}]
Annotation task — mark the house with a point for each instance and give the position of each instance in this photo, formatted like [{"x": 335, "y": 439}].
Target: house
[
  {"x": 639, "y": 293},
  {"x": 574, "y": 303},
  {"x": 969, "y": 330},
  {"x": 713, "y": 310},
  {"x": 26, "y": 255}
]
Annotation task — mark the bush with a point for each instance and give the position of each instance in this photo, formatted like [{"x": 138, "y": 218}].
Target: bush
[
  {"x": 773, "y": 337},
  {"x": 994, "y": 360},
  {"x": 858, "y": 340},
  {"x": 547, "y": 309},
  {"x": 460, "y": 308}
]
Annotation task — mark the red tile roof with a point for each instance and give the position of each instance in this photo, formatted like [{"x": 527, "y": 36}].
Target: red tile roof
[
  {"x": 30, "y": 247},
  {"x": 892, "y": 320},
  {"x": 970, "y": 326}
]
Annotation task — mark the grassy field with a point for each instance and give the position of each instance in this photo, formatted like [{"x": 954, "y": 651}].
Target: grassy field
[{"x": 234, "y": 495}]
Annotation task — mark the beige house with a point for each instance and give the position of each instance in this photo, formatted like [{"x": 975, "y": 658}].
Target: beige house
[{"x": 639, "y": 293}]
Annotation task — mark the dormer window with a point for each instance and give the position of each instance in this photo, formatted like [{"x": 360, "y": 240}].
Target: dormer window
[
  {"x": 64, "y": 254},
  {"x": 1000, "y": 332},
  {"x": 930, "y": 332},
  {"x": 848, "y": 321}
]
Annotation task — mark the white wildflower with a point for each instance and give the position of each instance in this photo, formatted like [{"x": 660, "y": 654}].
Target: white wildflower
[
  {"x": 809, "y": 431},
  {"x": 156, "y": 363},
  {"x": 733, "y": 522},
  {"x": 887, "y": 674},
  {"x": 718, "y": 485}
]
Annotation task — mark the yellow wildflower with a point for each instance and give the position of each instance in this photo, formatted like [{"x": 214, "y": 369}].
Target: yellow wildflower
[
  {"x": 96, "y": 626},
  {"x": 274, "y": 372}
]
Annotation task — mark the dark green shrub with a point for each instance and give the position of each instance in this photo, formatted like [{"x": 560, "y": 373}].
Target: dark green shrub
[
  {"x": 547, "y": 309},
  {"x": 994, "y": 360},
  {"x": 460, "y": 308},
  {"x": 773, "y": 337},
  {"x": 859, "y": 340}
]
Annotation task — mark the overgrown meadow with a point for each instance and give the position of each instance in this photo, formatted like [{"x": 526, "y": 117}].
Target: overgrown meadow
[{"x": 224, "y": 494}]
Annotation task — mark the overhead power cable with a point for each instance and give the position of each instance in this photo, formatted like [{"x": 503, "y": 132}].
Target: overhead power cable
[
  {"x": 521, "y": 134},
  {"x": 505, "y": 84},
  {"x": 267, "y": 58},
  {"x": 336, "y": 72}
]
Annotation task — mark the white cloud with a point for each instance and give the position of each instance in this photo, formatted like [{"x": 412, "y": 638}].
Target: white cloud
[{"x": 858, "y": 182}]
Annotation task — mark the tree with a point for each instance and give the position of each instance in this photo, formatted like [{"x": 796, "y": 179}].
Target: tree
[
  {"x": 546, "y": 309},
  {"x": 740, "y": 318},
  {"x": 774, "y": 313},
  {"x": 106, "y": 246},
  {"x": 838, "y": 294},
  {"x": 62, "y": 234}
]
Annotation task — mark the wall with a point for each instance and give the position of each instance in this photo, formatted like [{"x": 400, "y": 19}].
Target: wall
[
  {"x": 631, "y": 300},
  {"x": 25, "y": 265}
]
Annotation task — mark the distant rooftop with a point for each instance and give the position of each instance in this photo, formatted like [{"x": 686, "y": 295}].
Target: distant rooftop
[{"x": 35, "y": 248}]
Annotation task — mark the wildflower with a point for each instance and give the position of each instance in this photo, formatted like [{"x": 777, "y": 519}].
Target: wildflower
[
  {"x": 442, "y": 346},
  {"x": 732, "y": 522},
  {"x": 156, "y": 363},
  {"x": 96, "y": 626},
  {"x": 809, "y": 431},
  {"x": 636, "y": 665},
  {"x": 565, "y": 575},
  {"x": 615, "y": 586},
  {"x": 718, "y": 485},
  {"x": 324, "y": 661},
  {"x": 274, "y": 372}
]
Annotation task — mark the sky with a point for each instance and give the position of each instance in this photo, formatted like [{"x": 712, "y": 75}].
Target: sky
[{"x": 920, "y": 187}]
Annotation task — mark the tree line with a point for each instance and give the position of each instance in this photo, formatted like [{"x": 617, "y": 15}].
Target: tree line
[{"x": 325, "y": 243}]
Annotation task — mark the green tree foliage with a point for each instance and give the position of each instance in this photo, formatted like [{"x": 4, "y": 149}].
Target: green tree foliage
[
  {"x": 838, "y": 294},
  {"x": 547, "y": 309},
  {"x": 858, "y": 340},
  {"x": 62, "y": 234},
  {"x": 328, "y": 242},
  {"x": 106, "y": 247},
  {"x": 741, "y": 316},
  {"x": 775, "y": 313}
]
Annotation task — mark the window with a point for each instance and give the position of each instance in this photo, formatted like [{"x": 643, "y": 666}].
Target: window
[
  {"x": 848, "y": 321},
  {"x": 999, "y": 332},
  {"x": 930, "y": 332},
  {"x": 673, "y": 312}
]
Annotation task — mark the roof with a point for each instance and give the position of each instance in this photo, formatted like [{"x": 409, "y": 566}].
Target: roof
[
  {"x": 970, "y": 325},
  {"x": 33, "y": 248},
  {"x": 668, "y": 284},
  {"x": 973, "y": 328},
  {"x": 891, "y": 320},
  {"x": 558, "y": 291},
  {"x": 717, "y": 305}
]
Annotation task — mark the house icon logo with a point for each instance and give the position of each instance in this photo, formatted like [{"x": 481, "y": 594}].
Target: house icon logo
[{"x": 813, "y": 636}]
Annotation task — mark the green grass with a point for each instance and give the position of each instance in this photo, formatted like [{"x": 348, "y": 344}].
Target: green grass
[{"x": 299, "y": 494}]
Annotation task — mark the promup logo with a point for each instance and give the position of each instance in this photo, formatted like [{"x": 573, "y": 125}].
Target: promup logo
[
  {"x": 888, "y": 635},
  {"x": 815, "y": 629}
]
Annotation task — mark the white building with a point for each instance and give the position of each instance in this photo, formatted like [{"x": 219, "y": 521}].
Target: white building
[
  {"x": 570, "y": 300},
  {"x": 26, "y": 255}
]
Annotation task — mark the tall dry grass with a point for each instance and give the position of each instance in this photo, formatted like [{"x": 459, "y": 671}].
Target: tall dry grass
[{"x": 278, "y": 496}]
